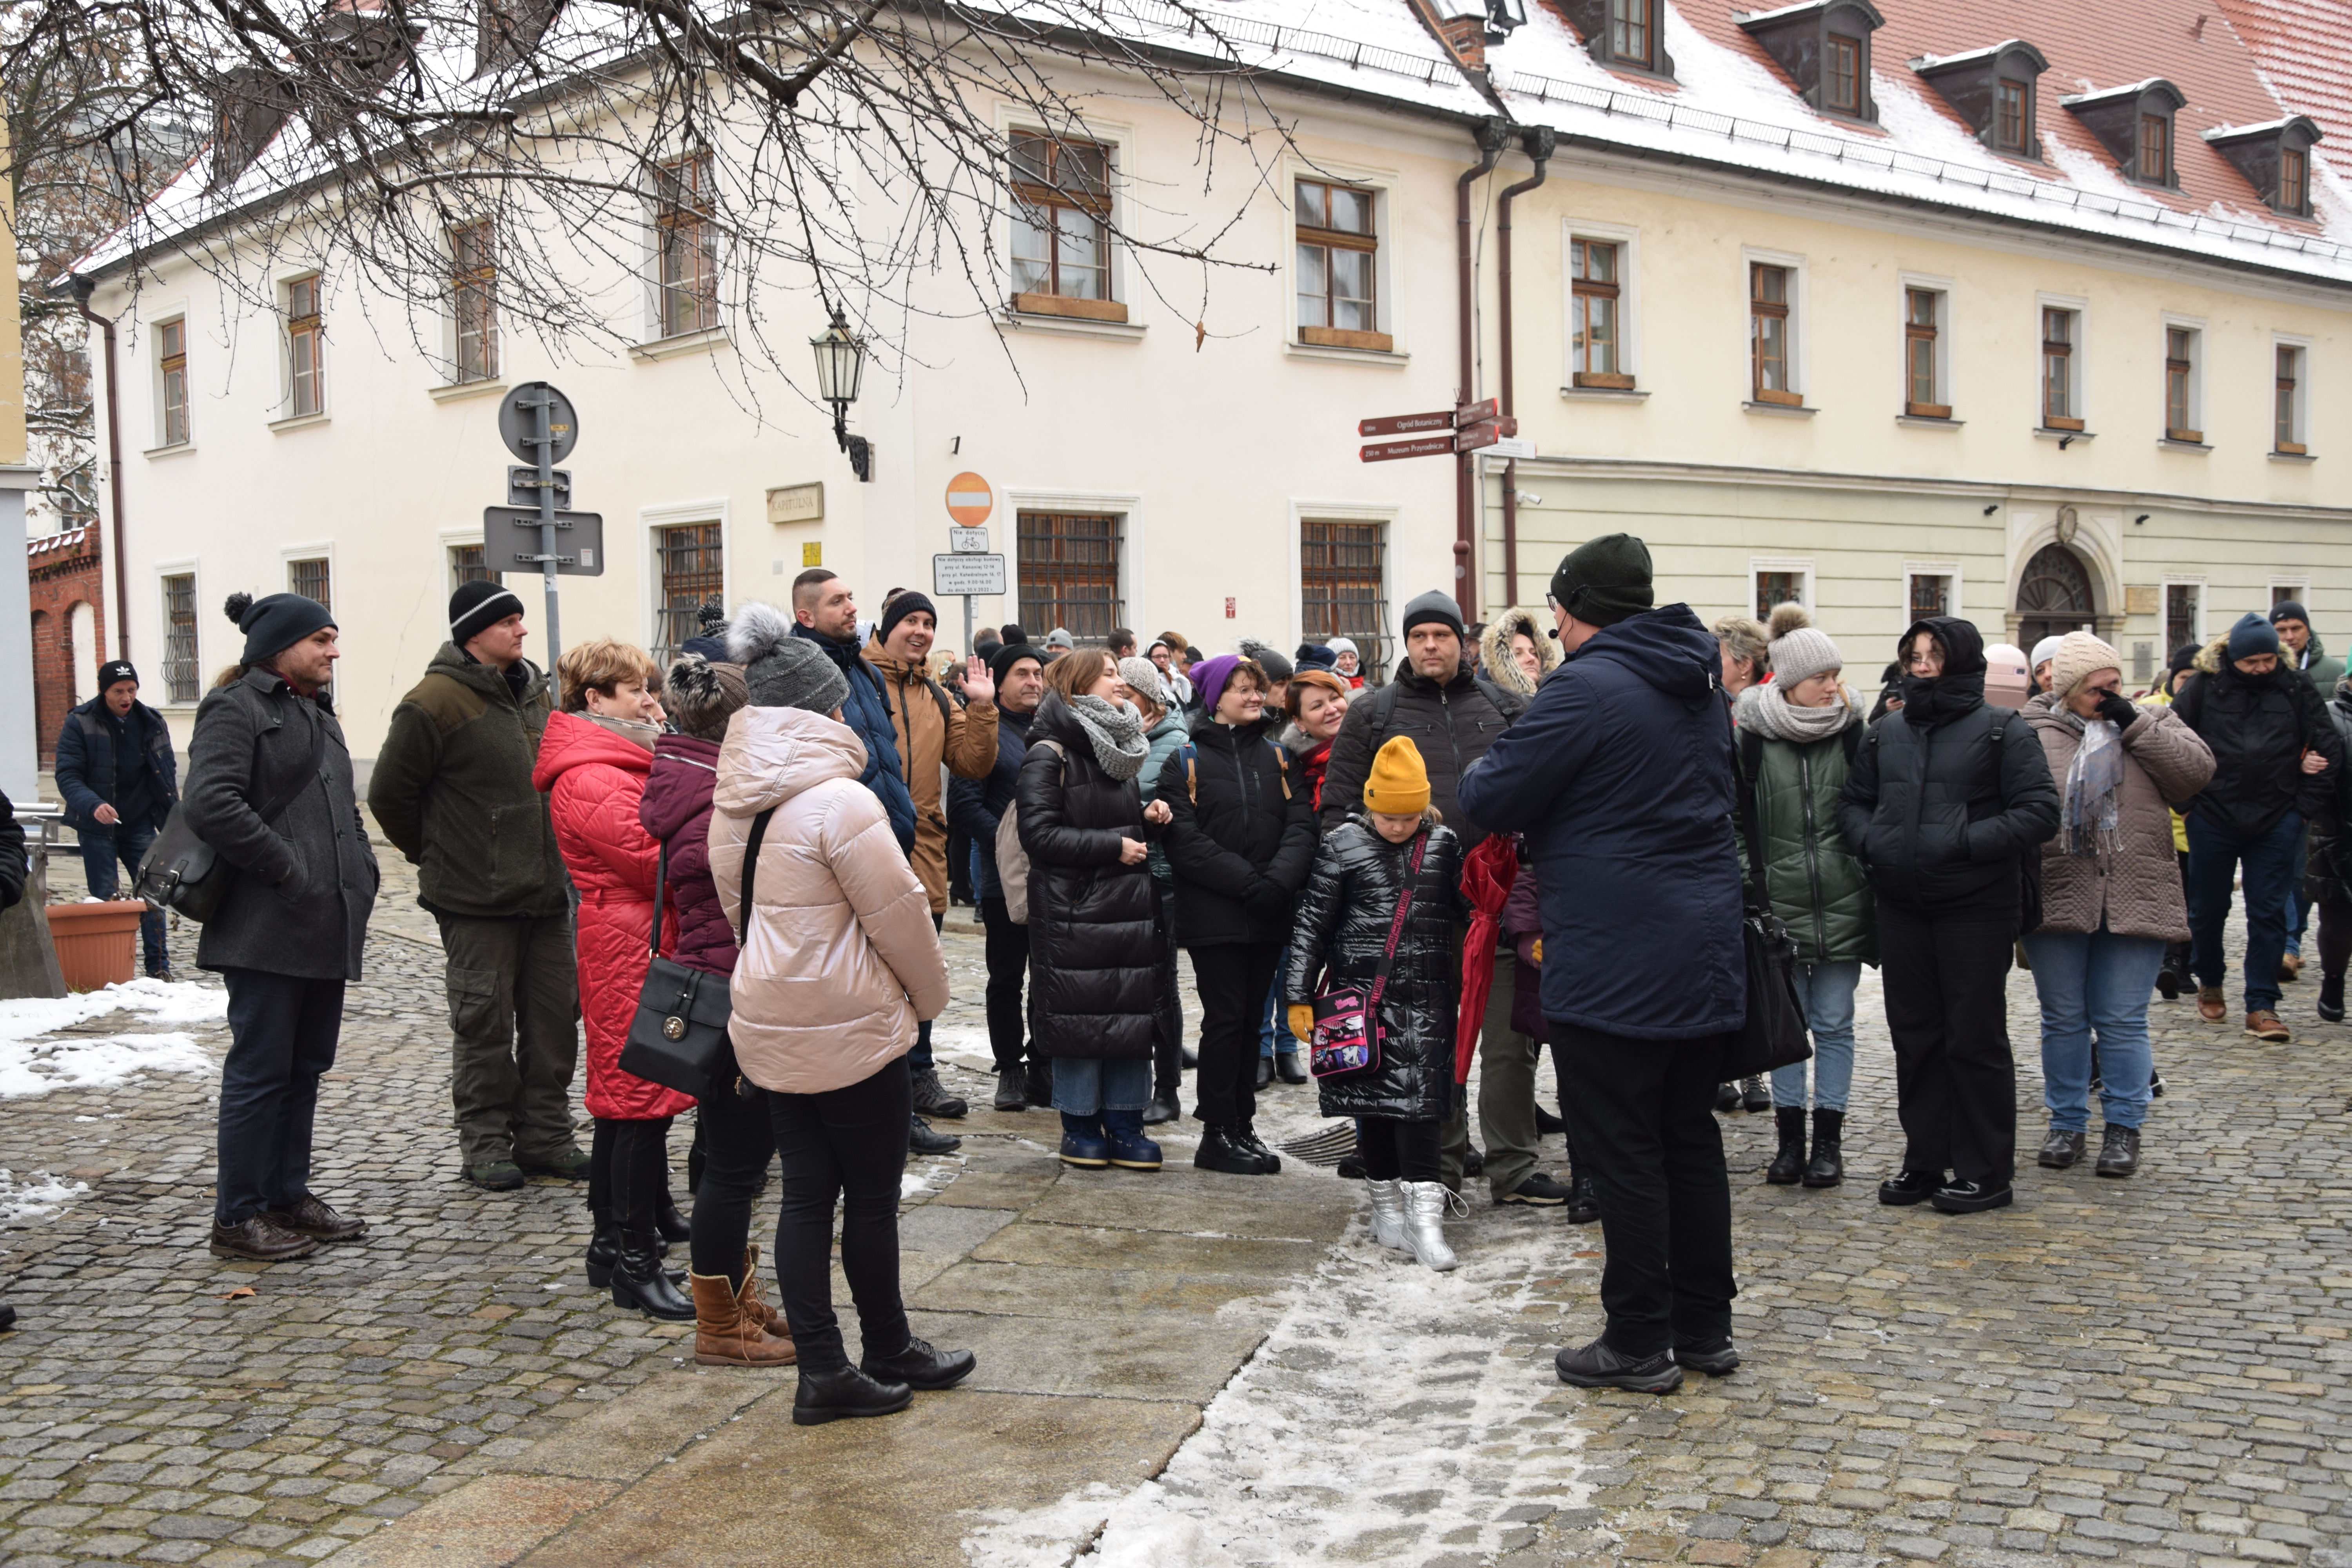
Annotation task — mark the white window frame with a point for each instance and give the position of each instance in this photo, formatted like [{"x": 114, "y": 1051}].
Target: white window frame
[
  {"x": 1759, "y": 565},
  {"x": 2302, "y": 385},
  {"x": 451, "y": 538},
  {"x": 189, "y": 567},
  {"x": 650, "y": 337},
  {"x": 282, "y": 287},
  {"x": 446, "y": 370},
  {"x": 1930, "y": 569},
  {"x": 315, "y": 549},
  {"x": 1628, "y": 300},
  {"x": 2301, "y": 594},
  {"x": 2204, "y": 602},
  {"x": 2078, "y": 362},
  {"x": 1014, "y": 500},
  {"x": 651, "y": 521},
  {"x": 1799, "y": 320},
  {"x": 175, "y": 312},
  {"x": 1388, "y": 268},
  {"x": 1116, "y": 139},
  {"x": 2195, "y": 326},
  {"x": 1947, "y": 342}
]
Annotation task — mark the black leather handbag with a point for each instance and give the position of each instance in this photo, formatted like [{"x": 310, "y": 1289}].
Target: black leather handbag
[
  {"x": 1774, "y": 1034},
  {"x": 181, "y": 872},
  {"x": 678, "y": 1038}
]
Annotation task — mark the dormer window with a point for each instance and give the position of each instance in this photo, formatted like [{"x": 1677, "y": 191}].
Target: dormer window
[
  {"x": 2135, "y": 125},
  {"x": 1993, "y": 91},
  {"x": 2276, "y": 159},
  {"x": 1624, "y": 35},
  {"x": 1824, "y": 48}
]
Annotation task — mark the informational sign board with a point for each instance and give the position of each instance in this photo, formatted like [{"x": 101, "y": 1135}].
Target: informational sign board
[
  {"x": 579, "y": 539},
  {"x": 961, "y": 576},
  {"x": 968, "y": 540}
]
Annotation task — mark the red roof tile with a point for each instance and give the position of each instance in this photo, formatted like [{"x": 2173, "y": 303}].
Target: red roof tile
[{"x": 2303, "y": 48}]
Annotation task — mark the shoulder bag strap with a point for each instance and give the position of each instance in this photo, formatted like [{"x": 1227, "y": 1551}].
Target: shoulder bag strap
[
  {"x": 1763, "y": 900},
  {"x": 1396, "y": 928},
  {"x": 751, "y": 867},
  {"x": 661, "y": 877}
]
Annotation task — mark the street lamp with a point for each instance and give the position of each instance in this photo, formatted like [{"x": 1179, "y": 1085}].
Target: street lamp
[
  {"x": 840, "y": 367},
  {"x": 1504, "y": 18}
]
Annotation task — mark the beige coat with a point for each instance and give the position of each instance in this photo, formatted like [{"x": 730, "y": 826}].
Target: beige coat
[
  {"x": 963, "y": 739},
  {"x": 839, "y": 962},
  {"x": 2139, "y": 891}
]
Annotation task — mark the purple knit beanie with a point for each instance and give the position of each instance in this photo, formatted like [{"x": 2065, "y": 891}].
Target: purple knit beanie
[{"x": 1209, "y": 677}]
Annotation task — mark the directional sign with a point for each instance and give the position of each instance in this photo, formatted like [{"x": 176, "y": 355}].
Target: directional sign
[
  {"x": 968, "y": 540},
  {"x": 1472, "y": 437},
  {"x": 969, "y": 501},
  {"x": 1471, "y": 413},
  {"x": 1427, "y": 447},
  {"x": 956, "y": 576},
  {"x": 1406, "y": 424},
  {"x": 516, "y": 427},
  {"x": 523, "y": 487},
  {"x": 579, "y": 539}
]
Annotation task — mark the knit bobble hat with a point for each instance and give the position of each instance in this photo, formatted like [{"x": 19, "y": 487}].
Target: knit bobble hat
[
  {"x": 702, "y": 695},
  {"x": 1398, "y": 785},
  {"x": 1803, "y": 654},
  {"x": 273, "y": 624},
  {"x": 1144, "y": 677},
  {"x": 2251, "y": 636},
  {"x": 780, "y": 670},
  {"x": 2080, "y": 655},
  {"x": 478, "y": 606}
]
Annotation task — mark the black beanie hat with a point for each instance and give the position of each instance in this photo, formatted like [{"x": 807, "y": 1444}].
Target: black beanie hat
[
  {"x": 115, "y": 669},
  {"x": 2289, "y": 610},
  {"x": 478, "y": 606},
  {"x": 1433, "y": 606},
  {"x": 274, "y": 624},
  {"x": 899, "y": 608},
  {"x": 1010, "y": 634},
  {"x": 1605, "y": 580},
  {"x": 1001, "y": 663}
]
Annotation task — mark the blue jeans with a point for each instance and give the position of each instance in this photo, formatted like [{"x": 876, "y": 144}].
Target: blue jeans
[
  {"x": 2094, "y": 984},
  {"x": 1087, "y": 1087},
  {"x": 1826, "y": 990},
  {"x": 2215, "y": 858},
  {"x": 2298, "y": 908},
  {"x": 1269, "y": 1036},
  {"x": 100, "y": 856}
]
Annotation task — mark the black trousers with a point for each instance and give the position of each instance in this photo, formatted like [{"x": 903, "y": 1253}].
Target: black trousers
[
  {"x": 847, "y": 1144},
  {"x": 1399, "y": 1150},
  {"x": 1168, "y": 1002},
  {"x": 282, "y": 1032},
  {"x": 1642, "y": 1115},
  {"x": 628, "y": 1169},
  {"x": 1947, "y": 983},
  {"x": 1233, "y": 979},
  {"x": 739, "y": 1142},
  {"x": 2334, "y": 936},
  {"x": 1008, "y": 967},
  {"x": 959, "y": 865}
]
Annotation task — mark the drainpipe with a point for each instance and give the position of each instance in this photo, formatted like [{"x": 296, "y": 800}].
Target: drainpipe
[
  {"x": 1537, "y": 141},
  {"x": 1494, "y": 134},
  {"x": 83, "y": 289}
]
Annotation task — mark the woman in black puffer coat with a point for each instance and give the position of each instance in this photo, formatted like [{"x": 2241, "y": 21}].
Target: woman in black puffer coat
[
  {"x": 1084, "y": 826},
  {"x": 1239, "y": 845}
]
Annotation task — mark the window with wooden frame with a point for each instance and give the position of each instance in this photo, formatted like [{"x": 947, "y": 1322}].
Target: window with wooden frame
[
  {"x": 691, "y": 562},
  {"x": 309, "y": 577},
  {"x": 1774, "y": 589},
  {"x": 1930, "y": 595},
  {"x": 2154, "y": 164},
  {"x": 2183, "y": 623},
  {"x": 1596, "y": 342},
  {"x": 171, "y": 361},
  {"x": 2294, "y": 181},
  {"x": 1768, "y": 334},
  {"x": 2012, "y": 113},
  {"x": 1633, "y": 33},
  {"x": 469, "y": 563},
  {"x": 685, "y": 248},
  {"x": 1343, "y": 588},
  {"x": 1061, "y": 241},
  {"x": 1922, "y": 350},
  {"x": 305, "y": 350},
  {"x": 474, "y": 300},
  {"x": 180, "y": 637},
  {"x": 1068, "y": 563},
  {"x": 1339, "y": 266},
  {"x": 1841, "y": 75},
  {"x": 2180, "y": 386},
  {"x": 2058, "y": 400},
  {"x": 2286, "y": 403}
]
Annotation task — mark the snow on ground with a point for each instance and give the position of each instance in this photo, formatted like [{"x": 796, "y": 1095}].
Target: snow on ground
[
  {"x": 35, "y": 1059},
  {"x": 36, "y": 1198},
  {"x": 1388, "y": 1411}
]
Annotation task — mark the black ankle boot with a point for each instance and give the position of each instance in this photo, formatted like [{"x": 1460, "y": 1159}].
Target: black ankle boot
[
  {"x": 669, "y": 1222},
  {"x": 1827, "y": 1168},
  {"x": 2331, "y": 998},
  {"x": 1583, "y": 1198},
  {"x": 603, "y": 1246},
  {"x": 640, "y": 1281},
  {"x": 825, "y": 1396},
  {"x": 1788, "y": 1166}
]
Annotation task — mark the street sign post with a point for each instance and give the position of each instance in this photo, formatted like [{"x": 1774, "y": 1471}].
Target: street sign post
[
  {"x": 1406, "y": 424},
  {"x": 1468, "y": 427},
  {"x": 523, "y": 486},
  {"x": 968, "y": 540},
  {"x": 579, "y": 538},
  {"x": 538, "y": 425},
  {"x": 967, "y": 577},
  {"x": 970, "y": 501},
  {"x": 1427, "y": 446}
]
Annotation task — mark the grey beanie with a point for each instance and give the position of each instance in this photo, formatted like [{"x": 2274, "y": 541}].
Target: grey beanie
[
  {"x": 702, "y": 695},
  {"x": 780, "y": 670},
  {"x": 1144, "y": 677},
  {"x": 1801, "y": 654}
]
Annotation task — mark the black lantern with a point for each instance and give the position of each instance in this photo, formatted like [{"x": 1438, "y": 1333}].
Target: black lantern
[
  {"x": 840, "y": 368},
  {"x": 1504, "y": 16}
]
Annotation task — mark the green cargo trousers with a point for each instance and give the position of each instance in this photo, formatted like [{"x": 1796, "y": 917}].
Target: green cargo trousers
[
  {"x": 514, "y": 1019},
  {"x": 1507, "y": 1093}
]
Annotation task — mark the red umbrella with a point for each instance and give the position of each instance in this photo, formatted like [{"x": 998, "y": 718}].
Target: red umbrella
[{"x": 1487, "y": 873}]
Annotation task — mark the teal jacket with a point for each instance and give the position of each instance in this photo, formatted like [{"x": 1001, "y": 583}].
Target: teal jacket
[
  {"x": 1815, "y": 879},
  {"x": 1164, "y": 737}
]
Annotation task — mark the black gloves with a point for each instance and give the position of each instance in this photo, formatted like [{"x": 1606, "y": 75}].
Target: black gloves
[{"x": 2116, "y": 709}]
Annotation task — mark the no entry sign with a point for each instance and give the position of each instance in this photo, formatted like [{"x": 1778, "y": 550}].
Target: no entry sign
[{"x": 969, "y": 501}]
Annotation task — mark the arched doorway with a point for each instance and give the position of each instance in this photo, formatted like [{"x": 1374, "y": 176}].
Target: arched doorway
[{"x": 2055, "y": 596}]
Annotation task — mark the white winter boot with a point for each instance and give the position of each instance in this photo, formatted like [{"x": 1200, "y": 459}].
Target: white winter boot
[
  {"x": 1425, "y": 1224},
  {"x": 1388, "y": 1214}
]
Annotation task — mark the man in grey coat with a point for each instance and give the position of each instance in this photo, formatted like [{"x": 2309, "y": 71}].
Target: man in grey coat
[{"x": 269, "y": 788}]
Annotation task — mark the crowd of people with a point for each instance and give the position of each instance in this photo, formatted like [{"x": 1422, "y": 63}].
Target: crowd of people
[{"x": 1364, "y": 870}]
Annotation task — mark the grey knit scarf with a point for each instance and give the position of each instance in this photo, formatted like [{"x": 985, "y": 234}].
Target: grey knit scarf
[
  {"x": 1767, "y": 709},
  {"x": 1115, "y": 731}
]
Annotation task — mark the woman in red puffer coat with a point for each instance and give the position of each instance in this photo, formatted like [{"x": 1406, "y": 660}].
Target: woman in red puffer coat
[{"x": 592, "y": 762}]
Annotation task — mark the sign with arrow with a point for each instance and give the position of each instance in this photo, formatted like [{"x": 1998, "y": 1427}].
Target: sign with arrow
[{"x": 1469, "y": 426}]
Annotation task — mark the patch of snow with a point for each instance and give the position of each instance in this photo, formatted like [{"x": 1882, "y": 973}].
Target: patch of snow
[
  {"x": 1363, "y": 1430},
  {"x": 31, "y": 1064},
  {"x": 41, "y": 1195},
  {"x": 165, "y": 1001},
  {"x": 910, "y": 1184}
]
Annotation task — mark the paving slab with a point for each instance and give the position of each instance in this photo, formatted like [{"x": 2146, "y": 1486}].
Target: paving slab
[
  {"x": 1286, "y": 1207},
  {"x": 1103, "y": 1247},
  {"x": 1155, "y": 1355},
  {"x": 1047, "y": 1290},
  {"x": 625, "y": 1438},
  {"x": 488, "y": 1524}
]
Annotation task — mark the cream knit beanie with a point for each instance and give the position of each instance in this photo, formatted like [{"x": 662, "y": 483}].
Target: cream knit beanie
[{"x": 2080, "y": 655}]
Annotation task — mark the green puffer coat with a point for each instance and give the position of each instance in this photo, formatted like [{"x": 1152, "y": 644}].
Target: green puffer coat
[{"x": 1816, "y": 882}]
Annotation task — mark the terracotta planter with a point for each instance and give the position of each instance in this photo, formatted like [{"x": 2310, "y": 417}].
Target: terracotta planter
[{"x": 98, "y": 944}]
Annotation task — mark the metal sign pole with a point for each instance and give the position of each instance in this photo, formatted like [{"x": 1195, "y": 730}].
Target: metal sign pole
[
  {"x": 544, "y": 448},
  {"x": 967, "y": 626}
]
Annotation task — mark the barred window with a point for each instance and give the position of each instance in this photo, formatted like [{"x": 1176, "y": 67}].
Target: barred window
[
  {"x": 1069, "y": 573},
  {"x": 692, "y": 570},
  {"x": 309, "y": 578},
  {"x": 180, "y": 637},
  {"x": 1343, "y": 589},
  {"x": 469, "y": 563}
]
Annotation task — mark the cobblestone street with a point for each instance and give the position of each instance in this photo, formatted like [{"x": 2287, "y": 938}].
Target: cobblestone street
[{"x": 2152, "y": 1371}]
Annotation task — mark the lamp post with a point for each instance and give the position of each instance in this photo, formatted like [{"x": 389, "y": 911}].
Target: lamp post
[
  {"x": 1504, "y": 18},
  {"x": 840, "y": 367}
]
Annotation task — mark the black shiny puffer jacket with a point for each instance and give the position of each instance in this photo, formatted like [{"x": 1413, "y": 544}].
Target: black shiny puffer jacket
[
  {"x": 1343, "y": 922},
  {"x": 1090, "y": 918}
]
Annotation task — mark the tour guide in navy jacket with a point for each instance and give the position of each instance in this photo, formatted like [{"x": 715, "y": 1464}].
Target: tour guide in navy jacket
[{"x": 1620, "y": 776}]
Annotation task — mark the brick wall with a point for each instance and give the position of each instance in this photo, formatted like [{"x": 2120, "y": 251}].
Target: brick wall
[{"x": 64, "y": 573}]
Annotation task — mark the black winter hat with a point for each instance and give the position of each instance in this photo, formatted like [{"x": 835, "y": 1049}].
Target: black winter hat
[
  {"x": 1605, "y": 580},
  {"x": 115, "y": 669},
  {"x": 1011, "y": 632},
  {"x": 478, "y": 606},
  {"x": 1001, "y": 662},
  {"x": 711, "y": 617},
  {"x": 1433, "y": 606},
  {"x": 899, "y": 608},
  {"x": 274, "y": 622},
  {"x": 2289, "y": 610}
]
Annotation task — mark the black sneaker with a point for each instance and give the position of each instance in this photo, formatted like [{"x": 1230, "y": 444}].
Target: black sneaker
[
  {"x": 1971, "y": 1198},
  {"x": 1220, "y": 1150},
  {"x": 921, "y": 1139},
  {"x": 1012, "y": 1089},
  {"x": 932, "y": 1099},
  {"x": 1716, "y": 1358},
  {"x": 825, "y": 1396},
  {"x": 1906, "y": 1187},
  {"x": 1753, "y": 1096},
  {"x": 1726, "y": 1097},
  {"x": 1538, "y": 1191},
  {"x": 497, "y": 1176},
  {"x": 1597, "y": 1366}
]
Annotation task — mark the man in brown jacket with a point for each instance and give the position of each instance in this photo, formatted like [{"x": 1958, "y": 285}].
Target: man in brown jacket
[{"x": 932, "y": 732}]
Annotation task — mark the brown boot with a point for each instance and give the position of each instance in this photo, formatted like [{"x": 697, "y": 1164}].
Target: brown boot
[
  {"x": 726, "y": 1333},
  {"x": 2210, "y": 1003},
  {"x": 759, "y": 1311},
  {"x": 2263, "y": 1025}
]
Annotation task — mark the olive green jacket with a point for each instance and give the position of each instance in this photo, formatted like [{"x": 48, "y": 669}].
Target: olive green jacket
[
  {"x": 1816, "y": 882},
  {"x": 452, "y": 791}
]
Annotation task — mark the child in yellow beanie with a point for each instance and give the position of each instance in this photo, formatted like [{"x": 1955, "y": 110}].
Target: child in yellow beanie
[{"x": 1347, "y": 941}]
